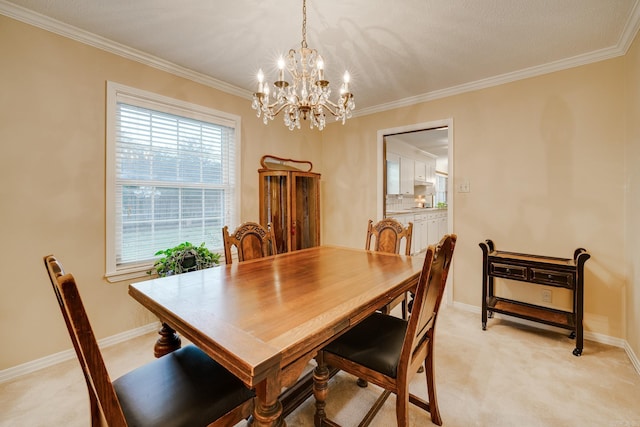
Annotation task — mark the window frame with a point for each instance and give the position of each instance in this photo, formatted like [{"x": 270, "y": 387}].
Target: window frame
[{"x": 117, "y": 92}]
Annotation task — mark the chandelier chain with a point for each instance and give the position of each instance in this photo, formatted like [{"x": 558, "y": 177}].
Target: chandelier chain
[{"x": 304, "y": 24}]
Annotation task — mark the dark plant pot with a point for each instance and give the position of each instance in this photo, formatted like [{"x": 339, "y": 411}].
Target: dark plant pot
[{"x": 189, "y": 262}]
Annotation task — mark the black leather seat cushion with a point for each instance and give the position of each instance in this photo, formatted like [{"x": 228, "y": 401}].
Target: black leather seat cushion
[
  {"x": 375, "y": 343},
  {"x": 183, "y": 388}
]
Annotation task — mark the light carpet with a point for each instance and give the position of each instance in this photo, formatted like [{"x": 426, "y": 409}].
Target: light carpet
[{"x": 508, "y": 375}]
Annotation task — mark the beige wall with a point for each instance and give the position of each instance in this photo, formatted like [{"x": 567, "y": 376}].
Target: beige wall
[
  {"x": 632, "y": 185},
  {"x": 52, "y": 164},
  {"x": 544, "y": 157}
]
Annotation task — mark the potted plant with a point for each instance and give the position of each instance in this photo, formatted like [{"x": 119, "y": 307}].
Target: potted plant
[{"x": 183, "y": 258}]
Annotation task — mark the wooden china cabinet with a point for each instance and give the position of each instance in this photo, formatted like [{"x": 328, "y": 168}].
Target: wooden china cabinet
[{"x": 290, "y": 201}]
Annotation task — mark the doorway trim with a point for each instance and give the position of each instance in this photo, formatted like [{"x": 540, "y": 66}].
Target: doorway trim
[{"x": 450, "y": 187}]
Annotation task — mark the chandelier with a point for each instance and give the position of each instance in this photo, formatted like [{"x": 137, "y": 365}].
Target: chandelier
[{"x": 307, "y": 96}]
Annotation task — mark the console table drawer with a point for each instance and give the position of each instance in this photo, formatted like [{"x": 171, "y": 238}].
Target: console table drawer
[
  {"x": 550, "y": 277},
  {"x": 508, "y": 271}
]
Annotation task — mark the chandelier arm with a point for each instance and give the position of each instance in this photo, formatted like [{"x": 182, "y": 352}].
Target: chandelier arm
[
  {"x": 330, "y": 106},
  {"x": 277, "y": 111},
  {"x": 267, "y": 106}
]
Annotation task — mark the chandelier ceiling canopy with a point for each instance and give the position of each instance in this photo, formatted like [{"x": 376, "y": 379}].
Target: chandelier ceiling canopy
[{"x": 307, "y": 96}]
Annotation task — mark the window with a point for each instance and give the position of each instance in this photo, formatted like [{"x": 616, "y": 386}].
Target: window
[
  {"x": 441, "y": 189},
  {"x": 172, "y": 176}
]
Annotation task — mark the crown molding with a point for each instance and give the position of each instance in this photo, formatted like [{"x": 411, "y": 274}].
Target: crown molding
[
  {"x": 576, "y": 61},
  {"x": 49, "y": 24},
  {"x": 632, "y": 27}
]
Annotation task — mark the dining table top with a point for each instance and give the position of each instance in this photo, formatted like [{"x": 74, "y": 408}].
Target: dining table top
[{"x": 258, "y": 317}]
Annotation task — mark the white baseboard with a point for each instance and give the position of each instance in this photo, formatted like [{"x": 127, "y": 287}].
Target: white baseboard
[
  {"x": 632, "y": 356},
  {"x": 591, "y": 336},
  {"x": 27, "y": 368},
  {"x": 45, "y": 362}
]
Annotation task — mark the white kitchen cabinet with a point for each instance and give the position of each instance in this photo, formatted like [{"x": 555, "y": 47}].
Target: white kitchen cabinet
[
  {"x": 432, "y": 226},
  {"x": 430, "y": 172},
  {"x": 407, "y": 171},
  {"x": 428, "y": 228},
  {"x": 393, "y": 173},
  {"x": 420, "y": 238},
  {"x": 400, "y": 174},
  {"x": 420, "y": 173},
  {"x": 443, "y": 225},
  {"x": 438, "y": 226}
]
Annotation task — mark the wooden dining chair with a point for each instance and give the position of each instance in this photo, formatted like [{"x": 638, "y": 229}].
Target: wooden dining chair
[
  {"x": 251, "y": 241},
  {"x": 184, "y": 388},
  {"x": 386, "y": 350},
  {"x": 386, "y": 236}
]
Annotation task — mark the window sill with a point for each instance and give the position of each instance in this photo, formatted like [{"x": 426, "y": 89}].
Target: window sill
[{"x": 128, "y": 274}]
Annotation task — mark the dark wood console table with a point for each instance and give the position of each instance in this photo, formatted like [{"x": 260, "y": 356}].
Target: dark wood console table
[{"x": 565, "y": 273}]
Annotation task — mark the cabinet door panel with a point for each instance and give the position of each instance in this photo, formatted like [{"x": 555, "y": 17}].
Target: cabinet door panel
[
  {"x": 306, "y": 223},
  {"x": 406, "y": 175},
  {"x": 393, "y": 173},
  {"x": 290, "y": 201},
  {"x": 275, "y": 208}
]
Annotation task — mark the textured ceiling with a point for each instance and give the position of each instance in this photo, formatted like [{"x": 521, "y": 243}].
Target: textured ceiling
[{"x": 395, "y": 50}]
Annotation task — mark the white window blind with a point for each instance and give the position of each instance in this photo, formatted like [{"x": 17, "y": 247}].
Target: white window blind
[{"x": 174, "y": 170}]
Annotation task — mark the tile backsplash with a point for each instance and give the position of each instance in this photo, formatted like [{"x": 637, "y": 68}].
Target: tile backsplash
[{"x": 400, "y": 202}]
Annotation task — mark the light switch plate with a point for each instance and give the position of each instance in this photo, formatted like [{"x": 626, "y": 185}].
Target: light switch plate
[{"x": 464, "y": 186}]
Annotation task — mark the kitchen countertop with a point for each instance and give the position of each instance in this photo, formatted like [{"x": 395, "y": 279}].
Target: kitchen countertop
[{"x": 416, "y": 210}]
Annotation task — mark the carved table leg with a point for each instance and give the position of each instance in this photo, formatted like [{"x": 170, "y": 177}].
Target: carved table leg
[
  {"x": 362, "y": 383},
  {"x": 268, "y": 408},
  {"x": 320, "y": 388},
  {"x": 169, "y": 341}
]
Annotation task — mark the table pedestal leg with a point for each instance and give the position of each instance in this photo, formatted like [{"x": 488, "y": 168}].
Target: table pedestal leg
[
  {"x": 268, "y": 408},
  {"x": 169, "y": 341},
  {"x": 320, "y": 389}
]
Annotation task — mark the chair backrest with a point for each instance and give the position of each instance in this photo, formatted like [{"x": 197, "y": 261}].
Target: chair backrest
[
  {"x": 101, "y": 390},
  {"x": 426, "y": 304},
  {"x": 388, "y": 235},
  {"x": 251, "y": 241}
]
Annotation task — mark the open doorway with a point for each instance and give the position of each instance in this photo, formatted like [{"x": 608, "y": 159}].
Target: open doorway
[{"x": 418, "y": 201}]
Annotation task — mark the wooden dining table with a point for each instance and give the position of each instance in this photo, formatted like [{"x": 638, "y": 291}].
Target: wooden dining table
[{"x": 265, "y": 320}]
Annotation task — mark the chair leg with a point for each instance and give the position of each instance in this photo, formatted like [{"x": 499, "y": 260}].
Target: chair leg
[
  {"x": 374, "y": 409},
  {"x": 94, "y": 408},
  {"x": 402, "y": 407},
  {"x": 431, "y": 387}
]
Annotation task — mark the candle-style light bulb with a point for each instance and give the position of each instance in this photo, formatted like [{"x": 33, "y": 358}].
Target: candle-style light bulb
[
  {"x": 281, "y": 68},
  {"x": 320, "y": 65},
  {"x": 346, "y": 79},
  {"x": 260, "y": 80}
]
